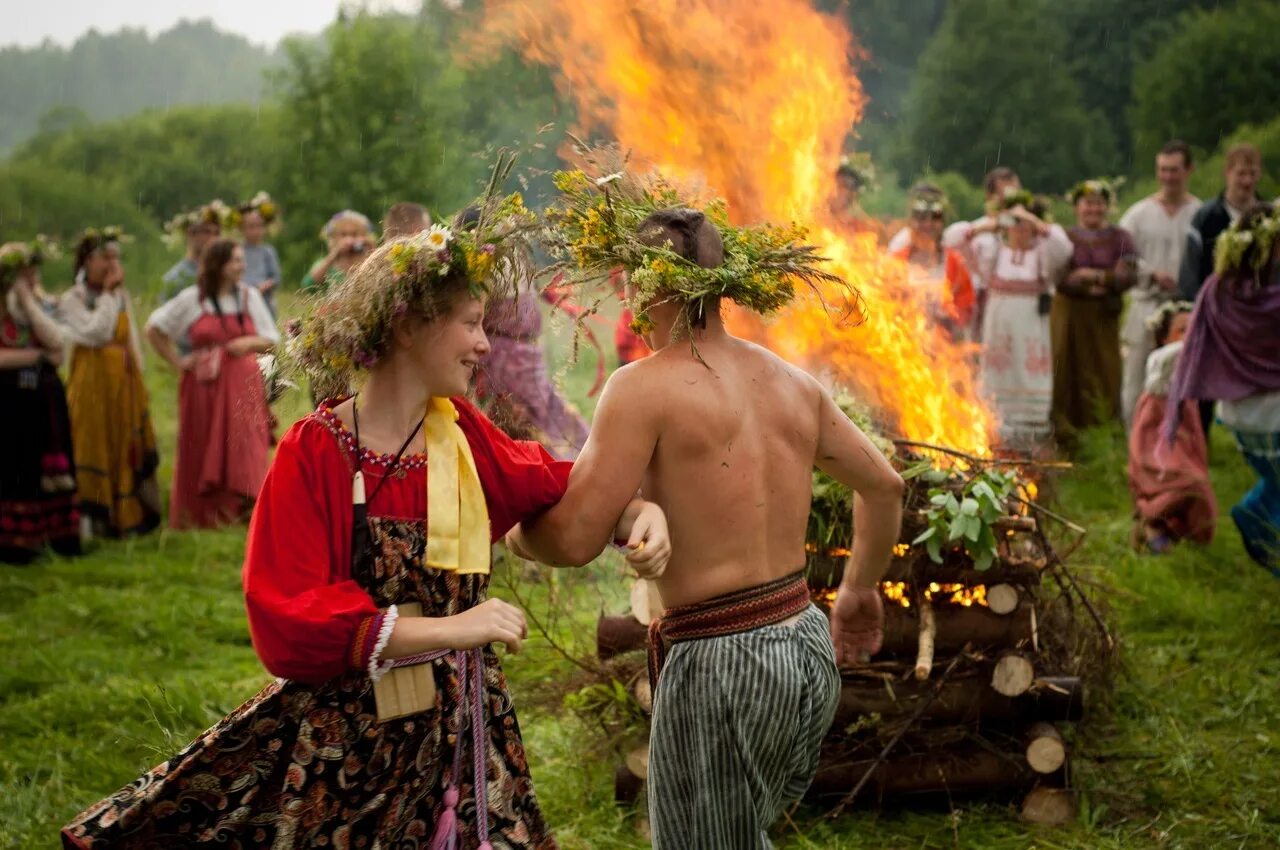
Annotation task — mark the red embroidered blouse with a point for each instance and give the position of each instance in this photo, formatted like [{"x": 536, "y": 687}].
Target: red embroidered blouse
[{"x": 305, "y": 611}]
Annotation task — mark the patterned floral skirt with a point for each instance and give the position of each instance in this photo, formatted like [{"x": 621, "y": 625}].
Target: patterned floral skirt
[
  {"x": 298, "y": 766},
  {"x": 310, "y": 766}
]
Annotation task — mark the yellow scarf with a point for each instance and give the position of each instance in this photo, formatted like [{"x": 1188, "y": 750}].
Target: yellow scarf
[{"x": 457, "y": 517}]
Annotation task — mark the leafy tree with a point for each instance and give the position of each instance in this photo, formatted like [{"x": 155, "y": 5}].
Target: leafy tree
[
  {"x": 1220, "y": 70},
  {"x": 1106, "y": 40},
  {"x": 44, "y": 199},
  {"x": 889, "y": 36},
  {"x": 108, "y": 76},
  {"x": 994, "y": 87},
  {"x": 381, "y": 111},
  {"x": 166, "y": 161}
]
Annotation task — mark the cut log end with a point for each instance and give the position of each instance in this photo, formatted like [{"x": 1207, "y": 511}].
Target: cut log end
[
  {"x": 1013, "y": 675},
  {"x": 1002, "y": 598},
  {"x": 638, "y": 761},
  {"x": 1046, "y": 751},
  {"x": 618, "y": 634},
  {"x": 646, "y": 602},
  {"x": 644, "y": 693},
  {"x": 1049, "y": 806}
]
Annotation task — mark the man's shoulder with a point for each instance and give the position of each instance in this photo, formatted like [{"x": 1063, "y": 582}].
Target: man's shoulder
[{"x": 1212, "y": 208}]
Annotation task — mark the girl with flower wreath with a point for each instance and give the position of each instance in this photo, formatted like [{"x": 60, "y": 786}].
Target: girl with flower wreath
[
  {"x": 257, "y": 218},
  {"x": 194, "y": 230},
  {"x": 115, "y": 444},
  {"x": 366, "y": 572},
  {"x": 1172, "y": 495},
  {"x": 38, "y": 506},
  {"x": 224, "y": 425},
  {"x": 1016, "y": 366}
]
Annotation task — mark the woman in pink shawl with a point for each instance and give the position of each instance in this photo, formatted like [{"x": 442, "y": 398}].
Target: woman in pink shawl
[
  {"x": 1232, "y": 355},
  {"x": 1172, "y": 496}
]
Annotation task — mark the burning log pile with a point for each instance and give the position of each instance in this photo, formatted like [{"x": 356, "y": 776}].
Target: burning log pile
[{"x": 989, "y": 646}]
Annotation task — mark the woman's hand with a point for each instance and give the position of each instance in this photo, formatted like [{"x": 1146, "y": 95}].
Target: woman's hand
[
  {"x": 115, "y": 276},
  {"x": 492, "y": 621},
  {"x": 241, "y": 346},
  {"x": 649, "y": 546},
  {"x": 186, "y": 363}
]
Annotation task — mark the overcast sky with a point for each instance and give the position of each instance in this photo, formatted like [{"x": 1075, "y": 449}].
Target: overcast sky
[{"x": 261, "y": 21}]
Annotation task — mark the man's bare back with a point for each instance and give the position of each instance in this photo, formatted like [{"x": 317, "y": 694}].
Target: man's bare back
[{"x": 737, "y": 434}]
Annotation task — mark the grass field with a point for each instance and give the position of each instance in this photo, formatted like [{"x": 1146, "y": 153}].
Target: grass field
[{"x": 115, "y": 660}]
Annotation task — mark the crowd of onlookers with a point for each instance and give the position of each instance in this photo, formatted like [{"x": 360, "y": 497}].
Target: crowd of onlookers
[
  {"x": 80, "y": 460},
  {"x": 1083, "y": 325},
  {"x": 1164, "y": 320}
]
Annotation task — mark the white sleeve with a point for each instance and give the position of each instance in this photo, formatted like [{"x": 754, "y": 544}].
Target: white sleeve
[
  {"x": 1126, "y": 220},
  {"x": 90, "y": 328},
  {"x": 900, "y": 240},
  {"x": 174, "y": 317},
  {"x": 955, "y": 235},
  {"x": 1056, "y": 249},
  {"x": 262, "y": 321}
]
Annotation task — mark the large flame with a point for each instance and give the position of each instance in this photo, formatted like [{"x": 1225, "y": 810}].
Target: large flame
[{"x": 755, "y": 100}]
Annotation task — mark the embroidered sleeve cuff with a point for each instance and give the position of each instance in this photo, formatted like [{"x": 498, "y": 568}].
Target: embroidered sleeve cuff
[
  {"x": 381, "y": 636},
  {"x": 371, "y": 639}
]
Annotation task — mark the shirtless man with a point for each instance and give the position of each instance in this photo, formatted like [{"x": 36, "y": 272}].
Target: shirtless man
[{"x": 725, "y": 440}]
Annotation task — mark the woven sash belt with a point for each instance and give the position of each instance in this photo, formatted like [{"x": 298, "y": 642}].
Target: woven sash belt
[{"x": 730, "y": 614}]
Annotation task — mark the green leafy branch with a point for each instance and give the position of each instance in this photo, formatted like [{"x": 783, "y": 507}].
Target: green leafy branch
[{"x": 968, "y": 518}]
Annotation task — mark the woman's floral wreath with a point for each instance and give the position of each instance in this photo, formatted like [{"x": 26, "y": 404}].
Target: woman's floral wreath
[
  {"x": 1165, "y": 312},
  {"x": 1247, "y": 243},
  {"x": 17, "y": 256},
  {"x": 592, "y": 228},
  {"x": 859, "y": 168},
  {"x": 214, "y": 212},
  {"x": 1102, "y": 186},
  {"x": 262, "y": 204},
  {"x": 100, "y": 237},
  {"x": 350, "y": 327},
  {"x": 345, "y": 215},
  {"x": 928, "y": 199}
]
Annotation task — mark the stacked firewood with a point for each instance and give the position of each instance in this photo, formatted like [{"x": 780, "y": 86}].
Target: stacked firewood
[{"x": 981, "y": 672}]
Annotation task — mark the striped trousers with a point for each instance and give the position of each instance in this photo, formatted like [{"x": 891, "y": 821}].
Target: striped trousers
[{"x": 737, "y": 725}]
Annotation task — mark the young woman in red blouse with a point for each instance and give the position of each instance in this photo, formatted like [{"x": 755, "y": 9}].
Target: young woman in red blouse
[{"x": 372, "y": 504}]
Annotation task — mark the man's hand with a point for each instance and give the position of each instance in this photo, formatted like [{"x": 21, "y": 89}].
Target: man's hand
[
  {"x": 1166, "y": 282},
  {"x": 649, "y": 547},
  {"x": 857, "y": 624}
]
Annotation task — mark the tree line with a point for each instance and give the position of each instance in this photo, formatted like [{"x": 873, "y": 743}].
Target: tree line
[{"x": 386, "y": 107}]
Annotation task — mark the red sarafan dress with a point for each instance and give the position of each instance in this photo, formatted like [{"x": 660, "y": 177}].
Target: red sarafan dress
[
  {"x": 305, "y": 763},
  {"x": 224, "y": 427}
]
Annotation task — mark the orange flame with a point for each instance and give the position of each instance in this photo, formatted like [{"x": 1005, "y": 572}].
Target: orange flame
[
  {"x": 755, "y": 100},
  {"x": 899, "y": 593}
]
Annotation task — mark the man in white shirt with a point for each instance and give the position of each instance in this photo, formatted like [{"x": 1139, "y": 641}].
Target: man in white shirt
[{"x": 1158, "y": 224}]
